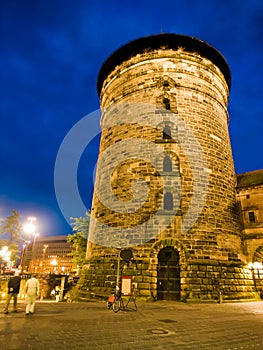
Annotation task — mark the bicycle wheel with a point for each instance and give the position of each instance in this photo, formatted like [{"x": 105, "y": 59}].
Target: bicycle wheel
[
  {"x": 109, "y": 305},
  {"x": 116, "y": 305}
]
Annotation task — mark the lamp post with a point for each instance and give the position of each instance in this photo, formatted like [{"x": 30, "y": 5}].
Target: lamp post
[
  {"x": 23, "y": 255},
  {"x": 34, "y": 242},
  {"x": 30, "y": 228},
  {"x": 45, "y": 246},
  {"x": 118, "y": 270}
]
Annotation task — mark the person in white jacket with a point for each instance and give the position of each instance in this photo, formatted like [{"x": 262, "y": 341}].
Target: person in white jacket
[{"x": 32, "y": 291}]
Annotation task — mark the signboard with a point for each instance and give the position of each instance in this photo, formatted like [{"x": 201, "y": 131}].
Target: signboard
[{"x": 126, "y": 285}]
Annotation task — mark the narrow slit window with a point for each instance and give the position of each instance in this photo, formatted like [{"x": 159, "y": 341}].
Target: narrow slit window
[
  {"x": 251, "y": 216},
  {"x": 166, "y": 103},
  {"x": 167, "y": 133},
  {"x": 167, "y": 164},
  {"x": 168, "y": 201}
]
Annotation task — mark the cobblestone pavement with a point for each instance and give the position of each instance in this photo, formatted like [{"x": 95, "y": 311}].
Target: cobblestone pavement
[{"x": 159, "y": 325}]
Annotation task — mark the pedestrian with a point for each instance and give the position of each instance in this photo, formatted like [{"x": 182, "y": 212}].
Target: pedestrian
[
  {"x": 13, "y": 291},
  {"x": 53, "y": 294},
  {"x": 31, "y": 291},
  {"x": 57, "y": 293}
]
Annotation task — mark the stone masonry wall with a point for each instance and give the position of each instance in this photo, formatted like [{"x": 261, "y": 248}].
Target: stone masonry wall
[{"x": 167, "y": 106}]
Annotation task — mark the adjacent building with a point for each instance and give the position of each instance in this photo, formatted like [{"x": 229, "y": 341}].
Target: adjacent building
[
  {"x": 250, "y": 201},
  {"x": 48, "y": 255}
]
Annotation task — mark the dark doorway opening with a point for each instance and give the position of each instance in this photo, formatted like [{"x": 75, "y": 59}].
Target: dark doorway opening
[{"x": 168, "y": 274}]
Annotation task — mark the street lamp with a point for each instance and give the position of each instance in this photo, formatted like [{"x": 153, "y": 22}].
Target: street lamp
[
  {"x": 24, "y": 254},
  {"x": 45, "y": 246},
  {"x": 34, "y": 241},
  {"x": 30, "y": 228}
]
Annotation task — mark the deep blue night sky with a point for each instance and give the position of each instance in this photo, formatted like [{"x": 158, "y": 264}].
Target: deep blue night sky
[{"x": 51, "y": 54}]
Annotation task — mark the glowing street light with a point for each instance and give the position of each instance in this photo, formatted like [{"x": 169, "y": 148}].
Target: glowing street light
[{"x": 30, "y": 229}]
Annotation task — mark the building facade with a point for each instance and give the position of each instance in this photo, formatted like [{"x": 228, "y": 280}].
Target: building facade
[
  {"x": 250, "y": 202},
  {"x": 165, "y": 181},
  {"x": 48, "y": 255}
]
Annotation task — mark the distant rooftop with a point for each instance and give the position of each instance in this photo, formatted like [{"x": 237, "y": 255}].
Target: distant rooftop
[
  {"x": 170, "y": 41},
  {"x": 251, "y": 178},
  {"x": 61, "y": 238}
]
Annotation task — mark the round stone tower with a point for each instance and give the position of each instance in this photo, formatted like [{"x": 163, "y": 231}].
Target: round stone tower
[{"x": 165, "y": 180}]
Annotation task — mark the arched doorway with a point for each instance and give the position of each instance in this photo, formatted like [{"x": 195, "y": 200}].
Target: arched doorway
[
  {"x": 168, "y": 274},
  {"x": 257, "y": 270}
]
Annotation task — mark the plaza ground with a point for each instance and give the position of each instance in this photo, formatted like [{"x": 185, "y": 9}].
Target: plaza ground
[{"x": 160, "y": 325}]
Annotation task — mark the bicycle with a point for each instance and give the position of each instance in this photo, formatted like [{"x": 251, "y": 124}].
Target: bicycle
[{"x": 115, "y": 301}]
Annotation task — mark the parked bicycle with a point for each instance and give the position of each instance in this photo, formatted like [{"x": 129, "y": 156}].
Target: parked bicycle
[{"x": 115, "y": 301}]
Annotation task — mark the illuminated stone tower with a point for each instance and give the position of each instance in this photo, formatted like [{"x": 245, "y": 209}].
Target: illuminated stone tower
[{"x": 165, "y": 181}]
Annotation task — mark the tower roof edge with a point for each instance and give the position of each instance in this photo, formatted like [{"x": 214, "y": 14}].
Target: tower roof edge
[{"x": 170, "y": 41}]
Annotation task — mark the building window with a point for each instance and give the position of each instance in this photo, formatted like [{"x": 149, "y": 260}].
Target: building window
[
  {"x": 166, "y": 85},
  {"x": 167, "y": 133},
  {"x": 166, "y": 103},
  {"x": 167, "y": 164},
  {"x": 251, "y": 216},
  {"x": 168, "y": 201},
  {"x": 248, "y": 196}
]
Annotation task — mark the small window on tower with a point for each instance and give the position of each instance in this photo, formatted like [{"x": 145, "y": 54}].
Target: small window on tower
[
  {"x": 167, "y": 164},
  {"x": 168, "y": 201},
  {"x": 251, "y": 216},
  {"x": 167, "y": 132},
  {"x": 166, "y": 103},
  {"x": 248, "y": 196}
]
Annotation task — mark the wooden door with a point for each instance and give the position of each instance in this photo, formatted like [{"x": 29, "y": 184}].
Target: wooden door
[{"x": 168, "y": 274}]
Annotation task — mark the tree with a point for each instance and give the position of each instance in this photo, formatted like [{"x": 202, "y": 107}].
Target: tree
[
  {"x": 78, "y": 240},
  {"x": 12, "y": 227},
  {"x": 13, "y": 248}
]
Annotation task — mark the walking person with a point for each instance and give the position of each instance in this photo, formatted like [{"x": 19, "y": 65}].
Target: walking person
[
  {"x": 13, "y": 291},
  {"x": 32, "y": 291},
  {"x": 57, "y": 293}
]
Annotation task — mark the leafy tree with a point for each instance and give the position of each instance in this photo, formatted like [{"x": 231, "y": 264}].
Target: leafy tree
[
  {"x": 12, "y": 247},
  {"x": 12, "y": 227},
  {"x": 78, "y": 240}
]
